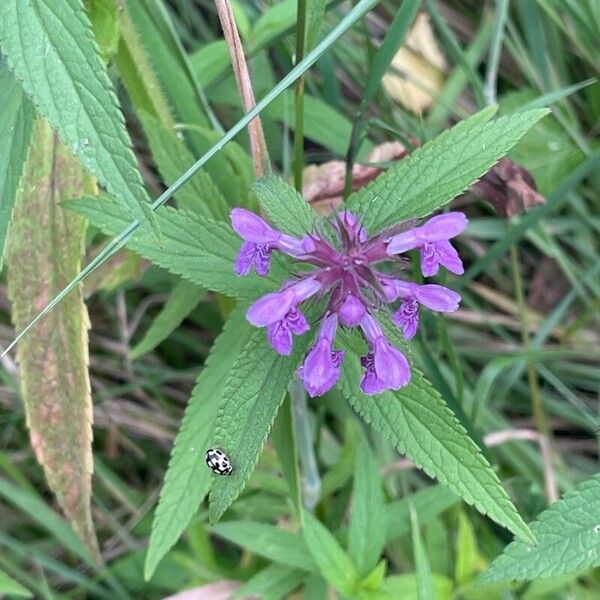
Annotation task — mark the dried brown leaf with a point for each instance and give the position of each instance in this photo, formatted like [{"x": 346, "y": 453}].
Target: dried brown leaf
[{"x": 44, "y": 252}]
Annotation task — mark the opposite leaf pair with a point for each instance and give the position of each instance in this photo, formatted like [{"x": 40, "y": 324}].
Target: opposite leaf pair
[{"x": 347, "y": 270}]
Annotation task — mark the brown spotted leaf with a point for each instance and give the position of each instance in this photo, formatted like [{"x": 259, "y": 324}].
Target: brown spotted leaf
[{"x": 44, "y": 250}]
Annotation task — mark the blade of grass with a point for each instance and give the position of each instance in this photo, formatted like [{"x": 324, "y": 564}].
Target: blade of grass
[{"x": 118, "y": 242}]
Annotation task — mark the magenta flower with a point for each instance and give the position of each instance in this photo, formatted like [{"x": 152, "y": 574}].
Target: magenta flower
[
  {"x": 434, "y": 297},
  {"x": 339, "y": 267},
  {"x": 432, "y": 241},
  {"x": 321, "y": 368},
  {"x": 386, "y": 368},
  {"x": 279, "y": 313},
  {"x": 260, "y": 239}
]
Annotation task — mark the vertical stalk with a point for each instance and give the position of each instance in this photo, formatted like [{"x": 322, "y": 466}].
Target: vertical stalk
[
  {"x": 537, "y": 406},
  {"x": 299, "y": 97},
  {"x": 311, "y": 481},
  {"x": 491, "y": 75}
]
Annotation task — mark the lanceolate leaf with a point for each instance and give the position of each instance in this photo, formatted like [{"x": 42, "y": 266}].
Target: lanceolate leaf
[
  {"x": 568, "y": 535},
  {"x": 441, "y": 169},
  {"x": 53, "y": 360},
  {"x": 187, "y": 478},
  {"x": 16, "y": 120},
  {"x": 13, "y": 588},
  {"x": 420, "y": 425},
  {"x": 54, "y": 56},
  {"x": 199, "y": 249},
  {"x": 333, "y": 562},
  {"x": 269, "y": 541},
  {"x": 367, "y": 529},
  {"x": 250, "y": 401},
  {"x": 172, "y": 158},
  {"x": 182, "y": 301},
  {"x": 285, "y": 207}
]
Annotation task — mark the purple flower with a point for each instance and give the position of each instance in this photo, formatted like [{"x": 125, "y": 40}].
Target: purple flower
[
  {"x": 279, "y": 313},
  {"x": 432, "y": 241},
  {"x": 352, "y": 310},
  {"x": 340, "y": 266},
  {"x": 321, "y": 368},
  {"x": 386, "y": 368},
  {"x": 435, "y": 297},
  {"x": 260, "y": 239}
]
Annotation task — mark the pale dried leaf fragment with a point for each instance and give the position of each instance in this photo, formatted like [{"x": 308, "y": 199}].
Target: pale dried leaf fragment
[
  {"x": 44, "y": 251},
  {"x": 418, "y": 68}
]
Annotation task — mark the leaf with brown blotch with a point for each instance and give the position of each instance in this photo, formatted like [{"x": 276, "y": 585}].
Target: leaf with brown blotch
[{"x": 44, "y": 250}]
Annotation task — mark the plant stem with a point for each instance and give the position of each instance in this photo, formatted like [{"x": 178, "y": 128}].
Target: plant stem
[
  {"x": 311, "y": 481},
  {"x": 537, "y": 406},
  {"x": 491, "y": 75},
  {"x": 299, "y": 98}
]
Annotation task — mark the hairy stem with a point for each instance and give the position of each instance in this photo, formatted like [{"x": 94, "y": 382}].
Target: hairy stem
[{"x": 311, "y": 481}]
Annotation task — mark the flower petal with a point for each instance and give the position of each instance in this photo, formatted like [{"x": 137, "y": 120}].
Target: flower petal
[
  {"x": 449, "y": 258},
  {"x": 251, "y": 227},
  {"x": 407, "y": 240},
  {"x": 270, "y": 308},
  {"x": 443, "y": 227},
  {"x": 436, "y": 297}
]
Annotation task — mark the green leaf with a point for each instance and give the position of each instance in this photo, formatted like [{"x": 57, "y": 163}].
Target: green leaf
[
  {"x": 250, "y": 401},
  {"x": 52, "y": 41},
  {"x": 272, "y": 583},
  {"x": 284, "y": 439},
  {"x": 53, "y": 360},
  {"x": 440, "y": 170},
  {"x": 270, "y": 542},
  {"x": 367, "y": 529},
  {"x": 407, "y": 587},
  {"x": 182, "y": 301},
  {"x": 568, "y": 535},
  {"x": 424, "y": 579},
  {"x": 393, "y": 40},
  {"x": 104, "y": 16},
  {"x": 9, "y": 586},
  {"x": 172, "y": 158},
  {"x": 429, "y": 502},
  {"x": 334, "y": 564},
  {"x": 284, "y": 206},
  {"x": 188, "y": 478},
  {"x": 466, "y": 551},
  {"x": 16, "y": 121},
  {"x": 137, "y": 74},
  {"x": 420, "y": 425},
  {"x": 197, "y": 248}
]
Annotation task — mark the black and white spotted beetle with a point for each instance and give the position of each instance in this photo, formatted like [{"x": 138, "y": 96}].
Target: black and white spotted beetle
[{"x": 218, "y": 461}]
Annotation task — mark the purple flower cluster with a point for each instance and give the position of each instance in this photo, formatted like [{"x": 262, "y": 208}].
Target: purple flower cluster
[{"x": 345, "y": 272}]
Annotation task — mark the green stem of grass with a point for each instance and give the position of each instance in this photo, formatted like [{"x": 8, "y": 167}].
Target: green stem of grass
[
  {"x": 537, "y": 406},
  {"x": 299, "y": 98}
]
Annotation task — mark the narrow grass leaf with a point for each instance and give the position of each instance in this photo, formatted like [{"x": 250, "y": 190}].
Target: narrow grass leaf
[
  {"x": 46, "y": 40},
  {"x": 284, "y": 206},
  {"x": 393, "y": 40},
  {"x": 187, "y": 479},
  {"x": 198, "y": 249},
  {"x": 367, "y": 528},
  {"x": 250, "y": 401},
  {"x": 16, "y": 121},
  {"x": 334, "y": 564},
  {"x": 568, "y": 535},
  {"x": 44, "y": 252},
  {"x": 272, "y": 583},
  {"x": 420, "y": 425},
  {"x": 13, "y": 588},
  {"x": 269, "y": 541},
  {"x": 440, "y": 170},
  {"x": 182, "y": 301},
  {"x": 425, "y": 590}
]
